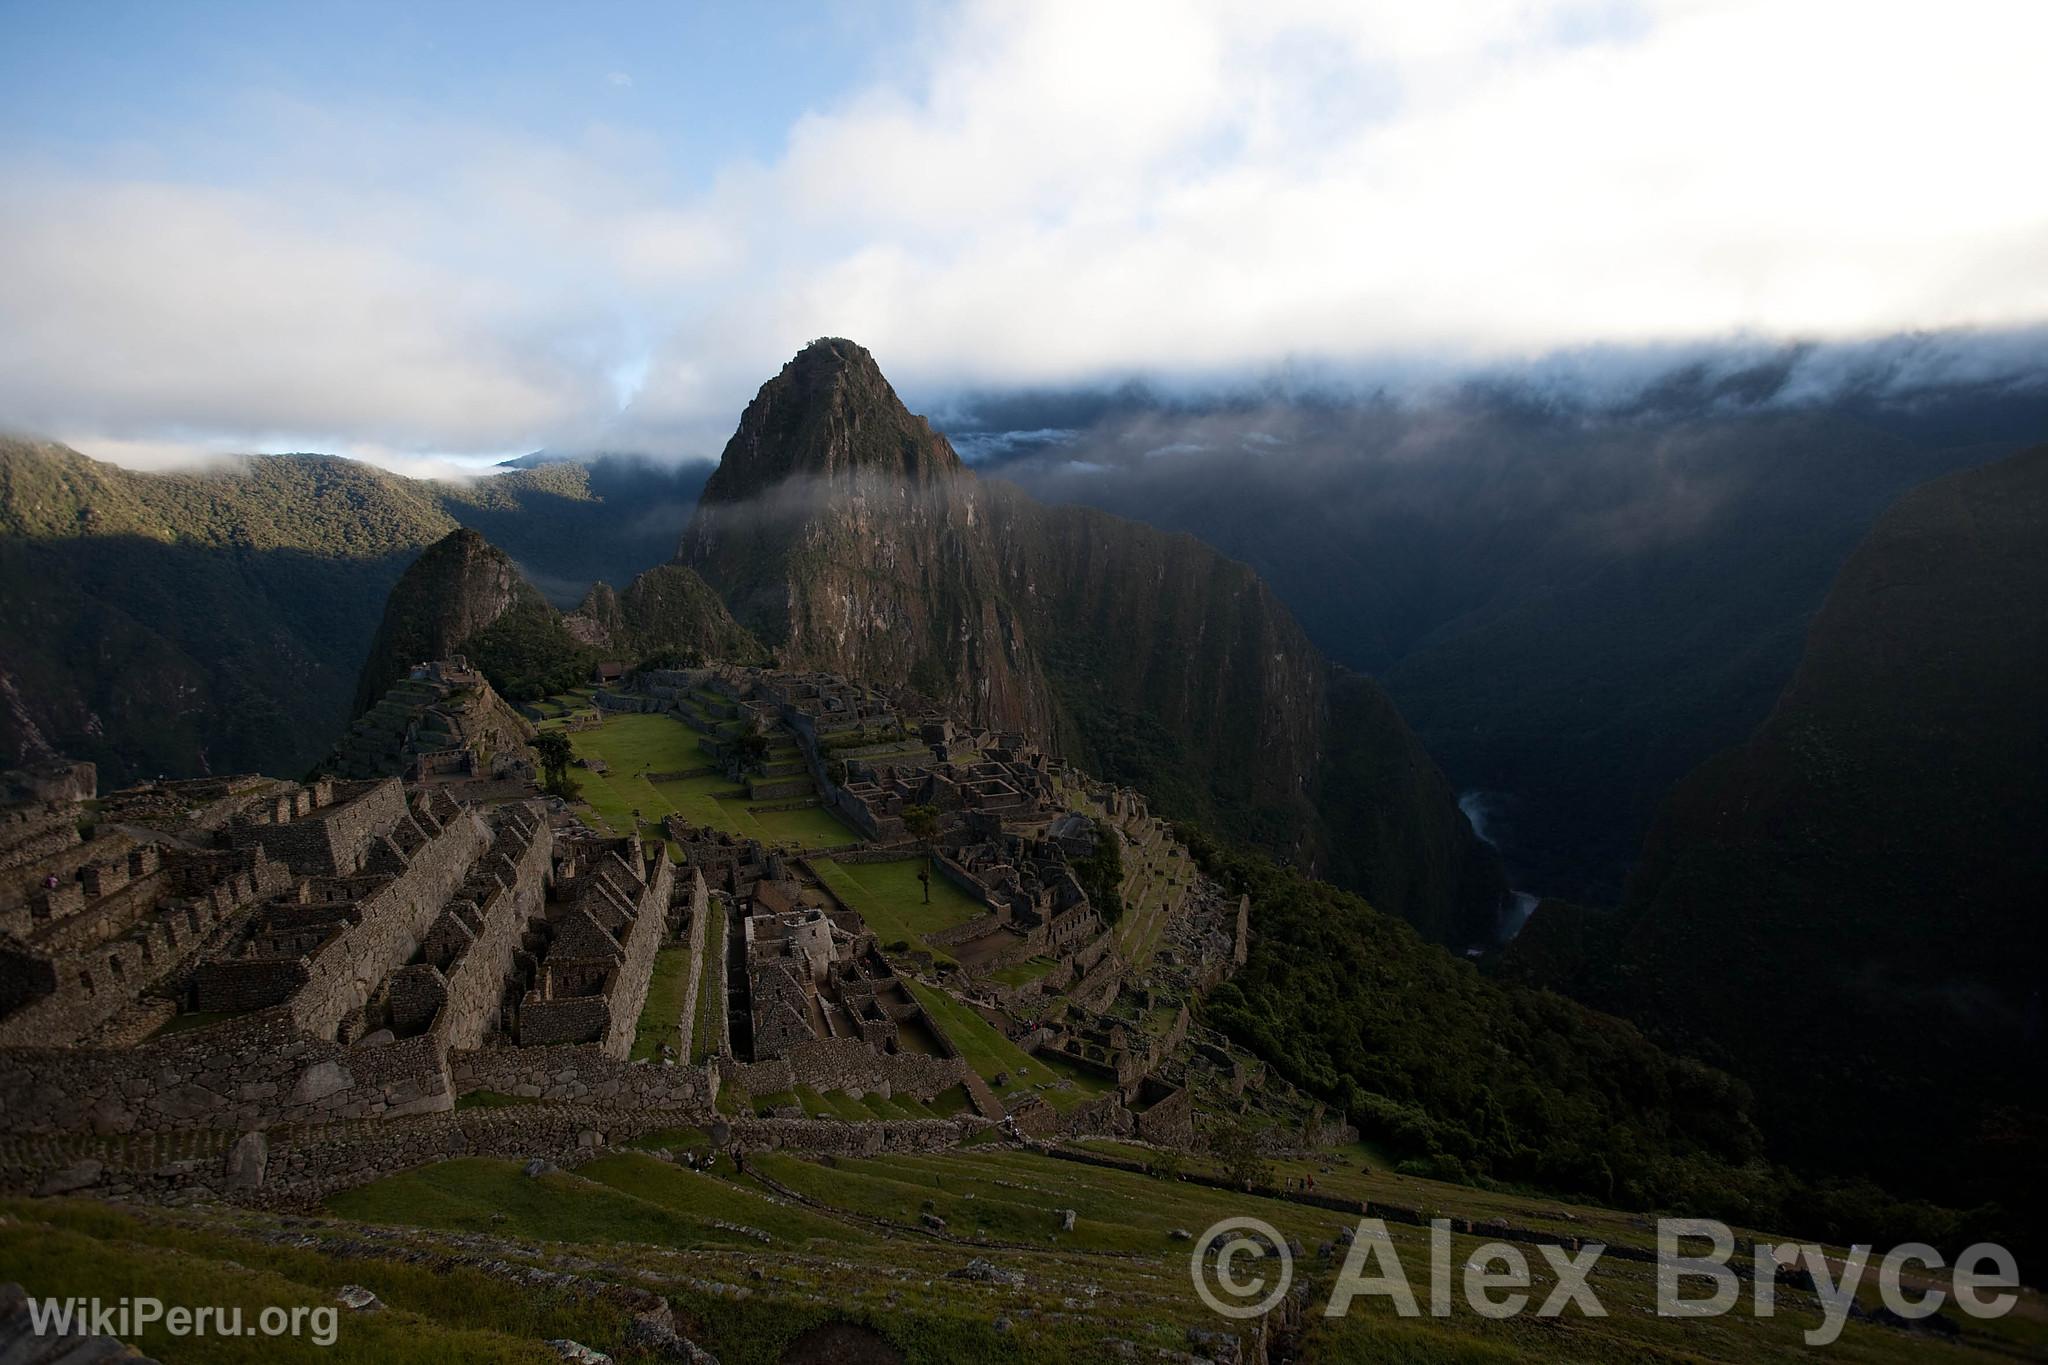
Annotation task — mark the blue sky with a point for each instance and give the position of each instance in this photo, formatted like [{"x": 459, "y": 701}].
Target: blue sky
[
  {"x": 181, "y": 88},
  {"x": 416, "y": 232}
]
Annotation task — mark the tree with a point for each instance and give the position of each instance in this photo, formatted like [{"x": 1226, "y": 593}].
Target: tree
[
  {"x": 750, "y": 750},
  {"x": 555, "y": 753},
  {"x": 1101, "y": 873},
  {"x": 923, "y": 824},
  {"x": 1235, "y": 1143}
]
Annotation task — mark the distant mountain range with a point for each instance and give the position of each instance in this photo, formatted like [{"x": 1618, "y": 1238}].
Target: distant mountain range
[
  {"x": 1573, "y": 603},
  {"x": 217, "y": 620}
]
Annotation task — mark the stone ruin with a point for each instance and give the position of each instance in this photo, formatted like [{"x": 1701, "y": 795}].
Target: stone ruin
[
  {"x": 270, "y": 952},
  {"x": 247, "y": 954},
  {"x": 441, "y": 722}
]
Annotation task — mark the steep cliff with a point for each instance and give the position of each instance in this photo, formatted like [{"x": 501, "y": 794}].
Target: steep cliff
[
  {"x": 847, "y": 535},
  {"x": 1846, "y": 910}
]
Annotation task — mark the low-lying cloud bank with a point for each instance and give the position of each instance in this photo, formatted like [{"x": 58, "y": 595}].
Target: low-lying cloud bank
[{"x": 1042, "y": 195}]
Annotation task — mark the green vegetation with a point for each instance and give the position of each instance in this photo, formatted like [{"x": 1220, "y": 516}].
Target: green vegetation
[
  {"x": 1101, "y": 873},
  {"x": 850, "y": 1247},
  {"x": 890, "y": 897},
  {"x": 527, "y": 653},
  {"x": 634, "y": 745},
  {"x": 661, "y": 1015},
  {"x": 990, "y": 1054},
  {"x": 556, "y": 753},
  {"x": 706, "y": 1029},
  {"x": 1023, "y": 973},
  {"x": 922, "y": 824},
  {"x": 71, "y": 1248},
  {"x": 1471, "y": 1079}
]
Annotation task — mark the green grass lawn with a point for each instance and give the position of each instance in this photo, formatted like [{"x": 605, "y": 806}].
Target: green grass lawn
[
  {"x": 889, "y": 898},
  {"x": 633, "y": 745},
  {"x": 630, "y": 1219},
  {"x": 810, "y": 827},
  {"x": 661, "y": 1016},
  {"x": 73, "y": 1248},
  {"x": 705, "y": 1030},
  {"x": 990, "y": 1053},
  {"x": 1023, "y": 973}
]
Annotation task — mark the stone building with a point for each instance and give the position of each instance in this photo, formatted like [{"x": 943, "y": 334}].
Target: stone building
[{"x": 585, "y": 964}]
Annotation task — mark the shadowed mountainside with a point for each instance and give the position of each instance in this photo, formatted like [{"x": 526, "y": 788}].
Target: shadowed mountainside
[
  {"x": 1846, "y": 910},
  {"x": 217, "y": 620},
  {"x": 1573, "y": 601}
]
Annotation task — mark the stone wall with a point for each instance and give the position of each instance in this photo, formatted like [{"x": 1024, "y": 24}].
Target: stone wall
[
  {"x": 249, "y": 1073},
  {"x": 582, "y": 1072},
  {"x": 1099, "y": 986},
  {"x": 846, "y": 1064},
  {"x": 836, "y": 1137},
  {"x": 328, "y": 840},
  {"x": 395, "y": 919},
  {"x": 476, "y": 978},
  {"x": 1169, "y": 1120},
  {"x": 700, "y": 910},
  {"x": 1103, "y": 1116},
  {"x": 83, "y": 988},
  {"x": 570, "y": 1019},
  {"x": 644, "y": 938}
]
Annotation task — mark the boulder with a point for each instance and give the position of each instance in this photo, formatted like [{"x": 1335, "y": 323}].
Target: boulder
[
  {"x": 248, "y": 1161},
  {"x": 537, "y": 1168},
  {"x": 985, "y": 1272},
  {"x": 76, "y": 1176},
  {"x": 321, "y": 1080},
  {"x": 358, "y": 1299}
]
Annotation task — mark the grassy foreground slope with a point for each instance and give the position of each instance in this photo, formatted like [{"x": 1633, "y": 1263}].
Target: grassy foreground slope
[{"x": 475, "y": 1261}]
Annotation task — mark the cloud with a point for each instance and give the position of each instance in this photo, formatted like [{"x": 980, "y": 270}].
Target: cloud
[
  {"x": 618, "y": 80},
  {"x": 1044, "y": 194}
]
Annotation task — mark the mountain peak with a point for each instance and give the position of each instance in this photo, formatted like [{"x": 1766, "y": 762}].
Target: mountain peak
[{"x": 829, "y": 414}]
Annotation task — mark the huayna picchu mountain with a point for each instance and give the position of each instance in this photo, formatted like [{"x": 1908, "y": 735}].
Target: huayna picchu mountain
[{"x": 848, "y": 536}]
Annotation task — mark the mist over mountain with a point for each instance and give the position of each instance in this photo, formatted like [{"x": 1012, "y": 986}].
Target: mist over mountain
[
  {"x": 847, "y": 535},
  {"x": 1578, "y": 579}
]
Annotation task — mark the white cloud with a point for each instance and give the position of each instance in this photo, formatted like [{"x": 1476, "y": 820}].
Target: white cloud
[
  {"x": 1052, "y": 191},
  {"x": 618, "y": 80}
]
